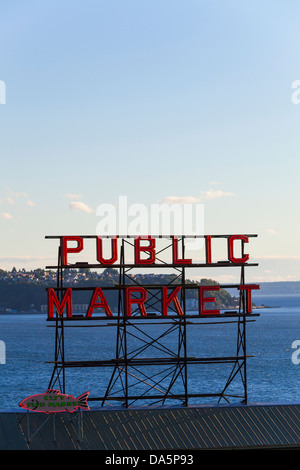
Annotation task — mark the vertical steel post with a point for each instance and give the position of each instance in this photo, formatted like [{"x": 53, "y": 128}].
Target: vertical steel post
[{"x": 184, "y": 327}]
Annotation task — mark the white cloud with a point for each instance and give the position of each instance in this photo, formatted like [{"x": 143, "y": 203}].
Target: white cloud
[
  {"x": 12, "y": 197},
  {"x": 276, "y": 278},
  {"x": 210, "y": 194},
  {"x": 180, "y": 200},
  {"x": 11, "y": 200},
  {"x": 213, "y": 194},
  {"x": 25, "y": 258},
  {"x": 280, "y": 257},
  {"x": 80, "y": 206},
  {"x": 214, "y": 182},
  {"x": 30, "y": 203},
  {"x": 75, "y": 197},
  {"x": 6, "y": 215},
  {"x": 271, "y": 231}
]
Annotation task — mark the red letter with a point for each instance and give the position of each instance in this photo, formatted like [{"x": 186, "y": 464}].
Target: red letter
[
  {"x": 167, "y": 300},
  {"x": 248, "y": 288},
  {"x": 149, "y": 249},
  {"x": 208, "y": 249},
  {"x": 177, "y": 260},
  {"x": 94, "y": 304},
  {"x": 114, "y": 251},
  {"x": 204, "y": 299},
  {"x": 139, "y": 301},
  {"x": 230, "y": 248},
  {"x": 67, "y": 300},
  {"x": 66, "y": 250}
]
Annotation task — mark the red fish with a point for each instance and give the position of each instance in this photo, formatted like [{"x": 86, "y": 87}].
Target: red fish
[{"x": 53, "y": 401}]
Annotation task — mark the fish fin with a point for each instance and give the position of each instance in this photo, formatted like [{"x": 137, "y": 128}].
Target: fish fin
[
  {"x": 53, "y": 391},
  {"x": 83, "y": 401}
]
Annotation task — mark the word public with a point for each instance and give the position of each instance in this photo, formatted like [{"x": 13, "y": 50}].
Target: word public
[{"x": 140, "y": 249}]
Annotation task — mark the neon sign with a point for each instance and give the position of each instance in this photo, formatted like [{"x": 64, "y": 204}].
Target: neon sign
[
  {"x": 146, "y": 255},
  {"x": 53, "y": 401},
  {"x": 150, "y": 249},
  {"x": 125, "y": 300}
]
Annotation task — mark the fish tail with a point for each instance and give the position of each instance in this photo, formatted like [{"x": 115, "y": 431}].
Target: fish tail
[{"x": 83, "y": 401}]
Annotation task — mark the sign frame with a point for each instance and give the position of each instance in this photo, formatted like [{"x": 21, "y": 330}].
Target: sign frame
[{"x": 119, "y": 388}]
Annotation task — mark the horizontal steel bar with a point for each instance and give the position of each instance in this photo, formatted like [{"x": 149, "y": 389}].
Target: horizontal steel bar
[
  {"x": 161, "y": 397},
  {"x": 153, "y": 317},
  {"x": 221, "y": 264},
  {"x": 168, "y": 236},
  {"x": 149, "y": 361},
  {"x": 152, "y": 323},
  {"x": 145, "y": 286}
]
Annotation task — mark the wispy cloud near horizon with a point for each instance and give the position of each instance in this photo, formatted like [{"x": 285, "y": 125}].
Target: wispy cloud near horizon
[
  {"x": 205, "y": 195},
  {"x": 80, "y": 206},
  {"x": 216, "y": 193},
  {"x": 277, "y": 257},
  {"x": 25, "y": 258},
  {"x": 6, "y": 215},
  {"x": 73, "y": 197},
  {"x": 13, "y": 197},
  {"x": 180, "y": 200},
  {"x": 30, "y": 203}
]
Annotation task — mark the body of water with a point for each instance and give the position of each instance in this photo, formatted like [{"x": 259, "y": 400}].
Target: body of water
[{"x": 272, "y": 375}]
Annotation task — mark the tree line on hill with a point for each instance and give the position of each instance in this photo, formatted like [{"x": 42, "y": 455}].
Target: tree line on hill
[{"x": 28, "y": 293}]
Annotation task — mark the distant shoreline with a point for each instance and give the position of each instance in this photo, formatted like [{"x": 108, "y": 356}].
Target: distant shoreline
[
  {"x": 266, "y": 306},
  {"x": 255, "y": 307}
]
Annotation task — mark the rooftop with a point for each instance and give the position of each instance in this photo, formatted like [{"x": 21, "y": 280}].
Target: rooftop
[{"x": 165, "y": 428}]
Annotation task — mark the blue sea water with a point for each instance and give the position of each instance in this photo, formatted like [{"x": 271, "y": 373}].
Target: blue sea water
[{"x": 271, "y": 374}]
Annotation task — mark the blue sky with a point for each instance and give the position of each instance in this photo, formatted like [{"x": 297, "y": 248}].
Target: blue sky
[{"x": 150, "y": 99}]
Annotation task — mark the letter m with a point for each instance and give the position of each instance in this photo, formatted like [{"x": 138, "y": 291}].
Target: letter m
[{"x": 60, "y": 306}]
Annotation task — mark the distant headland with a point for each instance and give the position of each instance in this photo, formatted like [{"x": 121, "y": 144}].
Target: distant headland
[{"x": 25, "y": 291}]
